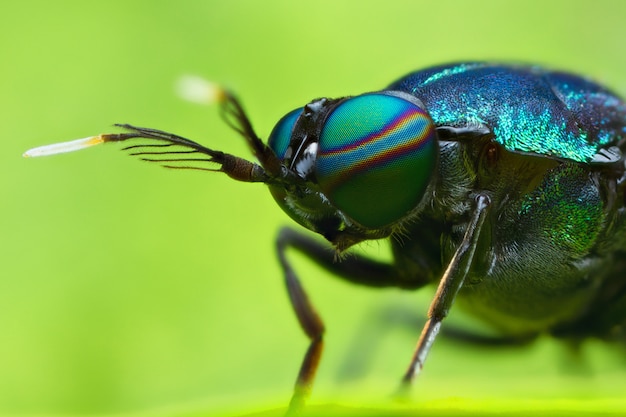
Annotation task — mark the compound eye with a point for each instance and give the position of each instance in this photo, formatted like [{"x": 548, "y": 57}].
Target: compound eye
[
  {"x": 376, "y": 156},
  {"x": 281, "y": 134}
]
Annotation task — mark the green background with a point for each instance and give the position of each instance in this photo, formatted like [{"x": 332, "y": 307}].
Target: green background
[{"x": 127, "y": 288}]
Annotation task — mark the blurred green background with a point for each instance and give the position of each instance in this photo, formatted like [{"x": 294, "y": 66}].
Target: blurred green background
[{"x": 127, "y": 288}]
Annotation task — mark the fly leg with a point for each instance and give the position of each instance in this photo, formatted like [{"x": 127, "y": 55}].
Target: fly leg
[
  {"x": 309, "y": 320},
  {"x": 356, "y": 269},
  {"x": 449, "y": 286}
]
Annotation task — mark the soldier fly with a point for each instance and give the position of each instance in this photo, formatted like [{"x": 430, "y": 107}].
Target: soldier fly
[{"x": 501, "y": 184}]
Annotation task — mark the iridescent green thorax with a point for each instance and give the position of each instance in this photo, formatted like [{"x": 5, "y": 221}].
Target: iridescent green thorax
[
  {"x": 528, "y": 109},
  {"x": 525, "y": 130},
  {"x": 376, "y": 166}
]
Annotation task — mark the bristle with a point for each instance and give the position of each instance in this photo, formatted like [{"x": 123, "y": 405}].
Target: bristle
[
  {"x": 198, "y": 90},
  {"x": 63, "y": 147}
]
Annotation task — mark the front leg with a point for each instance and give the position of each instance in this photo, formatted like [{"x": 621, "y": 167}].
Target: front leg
[
  {"x": 356, "y": 269},
  {"x": 450, "y": 284}
]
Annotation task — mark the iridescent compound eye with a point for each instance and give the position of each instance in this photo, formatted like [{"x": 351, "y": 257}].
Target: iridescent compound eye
[
  {"x": 376, "y": 155},
  {"x": 281, "y": 134}
]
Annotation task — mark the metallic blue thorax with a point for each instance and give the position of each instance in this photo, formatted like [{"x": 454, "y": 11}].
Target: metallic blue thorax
[{"x": 528, "y": 109}]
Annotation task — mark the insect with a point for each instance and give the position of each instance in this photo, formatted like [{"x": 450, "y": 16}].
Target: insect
[{"x": 501, "y": 184}]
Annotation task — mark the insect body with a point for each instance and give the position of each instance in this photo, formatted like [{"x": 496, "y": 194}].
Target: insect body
[{"x": 503, "y": 185}]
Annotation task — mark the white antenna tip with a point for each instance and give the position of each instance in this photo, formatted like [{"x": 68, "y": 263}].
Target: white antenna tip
[
  {"x": 198, "y": 90},
  {"x": 63, "y": 147}
]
